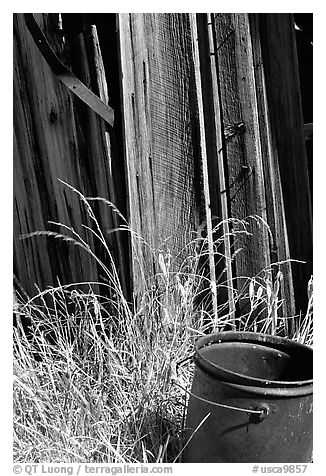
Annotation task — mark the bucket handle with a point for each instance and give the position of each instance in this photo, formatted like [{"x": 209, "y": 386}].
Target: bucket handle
[{"x": 261, "y": 412}]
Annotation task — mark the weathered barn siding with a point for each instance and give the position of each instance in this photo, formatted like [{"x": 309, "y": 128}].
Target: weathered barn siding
[
  {"x": 209, "y": 124},
  {"x": 279, "y": 57},
  {"x": 244, "y": 169},
  {"x": 55, "y": 138},
  {"x": 279, "y": 245},
  {"x": 159, "y": 103},
  {"x": 259, "y": 84}
]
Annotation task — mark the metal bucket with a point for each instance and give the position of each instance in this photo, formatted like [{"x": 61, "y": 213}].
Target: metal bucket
[{"x": 251, "y": 400}]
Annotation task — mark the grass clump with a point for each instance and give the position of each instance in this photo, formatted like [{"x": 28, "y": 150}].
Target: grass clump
[
  {"x": 97, "y": 379},
  {"x": 91, "y": 386}
]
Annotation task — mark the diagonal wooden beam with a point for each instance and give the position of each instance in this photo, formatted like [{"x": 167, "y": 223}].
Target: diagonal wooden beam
[{"x": 65, "y": 75}]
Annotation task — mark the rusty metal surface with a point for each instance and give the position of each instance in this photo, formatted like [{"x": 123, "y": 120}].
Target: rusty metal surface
[
  {"x": 255, "y": 359},
  {"x": 216, "y": 434}
]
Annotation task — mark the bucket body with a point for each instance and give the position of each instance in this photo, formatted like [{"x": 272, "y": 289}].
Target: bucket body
[{"x": 255, "y": 372}]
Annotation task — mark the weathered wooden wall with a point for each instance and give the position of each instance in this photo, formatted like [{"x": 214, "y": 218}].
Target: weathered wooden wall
[
  {"x": 159, "y": 104},
  {"x": 252, "y": 171},
  {"x": 247, "y": 91},
  {"x": 56, "y": 137},
  {"x": 209, "y": 124},
  {"x": 239, "y": 109},
  {"x": 280, "y": 63},
  {"x": 251, "y": 84}
]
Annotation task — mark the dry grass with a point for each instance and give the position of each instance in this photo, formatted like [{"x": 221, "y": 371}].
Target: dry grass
[{"x": 94, "y": 377}]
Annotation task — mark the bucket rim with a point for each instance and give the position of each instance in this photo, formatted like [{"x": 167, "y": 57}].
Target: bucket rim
[
  {"x": 250, "y": 337},
  {"x": 274, "y": 392}
]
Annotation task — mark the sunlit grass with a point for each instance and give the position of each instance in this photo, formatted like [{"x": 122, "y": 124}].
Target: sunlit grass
[{"x": 100, "y": 379}]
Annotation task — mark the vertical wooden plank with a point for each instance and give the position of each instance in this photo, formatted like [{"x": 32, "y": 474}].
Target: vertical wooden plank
[
  {"x": 106, "y": 183},
  {"x": 284, "y": 102},
  {"x": 245, "y": 179},
  {"x": 99, "y": 159},
  {"x": 280, "y": 251},
  {"x": 137, "y": 146},
  {"x": 27, "y": 254},
  {"x": 47, "y": 149},
  {"x": 203, "y": 152},
  {"x": 216, "y": 162},
  {"x": 158, "y": 103}
]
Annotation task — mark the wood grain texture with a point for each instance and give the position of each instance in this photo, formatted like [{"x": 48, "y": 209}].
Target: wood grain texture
[
  {"x": 276, "y": 218},
  {"x": 216, "y": 162},
  {"x": 48, "y": 146},
  {"x": 65, "y": 75},
  {"x": 100, "y": 162},
  {"x": 287, "y": 129},
  {"x": 205, "y": 169},
  {"x": 244, "y": 169},
  {"x": 158, "y": 105},
  {"x": 222, "y": 140},
  {"x": 41, "y": 110}
]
